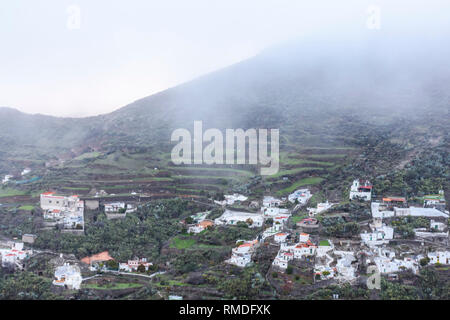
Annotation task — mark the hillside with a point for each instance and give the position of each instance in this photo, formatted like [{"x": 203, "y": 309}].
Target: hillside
[{"x": 336, "y": 104}]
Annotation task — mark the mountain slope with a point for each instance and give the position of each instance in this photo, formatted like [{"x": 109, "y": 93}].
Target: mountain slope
[{"x": 316, "y": 93}]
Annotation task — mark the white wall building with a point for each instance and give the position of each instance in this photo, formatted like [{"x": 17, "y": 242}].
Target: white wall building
[
  {"x": 379, "y": 211},
  {"x": 269, "y": 201},
  {"x": 274, "y": 211},
  {"x": 442, "y": 257},
  {"x": 13, "y": 256},
  {"x": 132, "y": 265},
  {"x": 6, "y": 178},
  {"x": 68, "y": 210},
  {"x": 361, "y": 189},
  {"x": 114, "y": 207},
  {"x": 282, "y": 259},
  {"x": 438, "y": 226},
  {"x": 378, "y": 236},
  {"x": 280, "y": 237},
  {"x": 233, "y": 217},
  {"x": 230, "y": 199},
  {"x": 68, "y": 276},
  {"x": 302, "y": 195},
  {"x": 344, "y": 267},
  {"x": 242, "y": 254},
  {"x": 321, "y": 207}
]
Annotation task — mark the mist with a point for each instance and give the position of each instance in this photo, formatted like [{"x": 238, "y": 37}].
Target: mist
[{"x": 121, "y": 52}]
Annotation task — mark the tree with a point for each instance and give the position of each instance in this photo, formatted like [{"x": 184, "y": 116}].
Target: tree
[
  {"x": 141, "y": 268},
  {"x": 289, "y": 270},
  {"x": 424, "y": 261},
  {"x": 112, "y": 265}
]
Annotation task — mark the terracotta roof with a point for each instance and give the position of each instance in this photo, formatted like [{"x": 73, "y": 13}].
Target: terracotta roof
[
  {"x": 206, "y": 223},
  {"x": 394, "y": 199}
]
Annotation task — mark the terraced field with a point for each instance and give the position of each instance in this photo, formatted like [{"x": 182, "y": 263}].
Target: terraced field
[{"x": 123, "y": 174}]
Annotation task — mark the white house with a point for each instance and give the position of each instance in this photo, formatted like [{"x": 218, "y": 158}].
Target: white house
[
  {"x": 68, "y": 210},
  {"x": 12, "y": 256},
  {"x": 68, "y": 276},
  {"x": 380, "y": 211},
  {"x": 50, "y": 201},
  {"x": 302, "y": 195},
  {"x": 233, "y": 217},
  {"x": 442, "y": 257},
  {"x": 304, "y": 249},
  {"x": 241, "y": 255},
  {"x": 132, "y": 265},
  {"x": 281, "y": 219},
  {"x": 282, "y": 259},
  {"x": 361, "y": 189},
  {"x": 114, "y": 207},
  {"x": 26, "y": 171},
  {"x": 321, "y": 207},
  {"x": 387, "y": 265},
  {"x": 199, "y": 227},
  {"x": 6, "y": 178},
  {"x": 438, "y": 226},
  {"x": 378, "y": 236},
  {"x": 52, "y": 214},
  {"x": 344, "y": 265},
  {"x": 246, "y": 247},
  {"x": 269, "y": 201},
  {"x": 289, "y": 252},
  {"x": 280, "y": 237},
  {"x": 274, "y": 211},
  {"x": 304, "y": 237},
  {"x": 230, "y": 199},
  {"x": 240, "y": 261}
]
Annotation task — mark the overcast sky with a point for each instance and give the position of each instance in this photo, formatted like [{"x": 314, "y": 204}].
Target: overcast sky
[{"x": 53, "y": 63}]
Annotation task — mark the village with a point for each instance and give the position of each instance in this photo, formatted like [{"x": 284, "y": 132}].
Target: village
[{"x": 298, "y": 244}]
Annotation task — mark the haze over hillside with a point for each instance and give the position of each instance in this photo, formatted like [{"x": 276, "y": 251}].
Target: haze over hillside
[{"x": 302, "y": 86}]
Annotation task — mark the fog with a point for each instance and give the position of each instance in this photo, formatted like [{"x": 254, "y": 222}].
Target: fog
[{"x": 85, "y": 58}]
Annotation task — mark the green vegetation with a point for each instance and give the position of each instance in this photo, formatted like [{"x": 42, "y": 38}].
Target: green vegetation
[
  {"x": 405, "y": 226},
  {"x": 299, "y": 184},
  {"x": 88, "y": 155},
  {"x": 296, "y": 219},
  {"x": 182, "y": 243},
  {"x": 111, "y": 286},
  {"x": 26, "y": 207},
  {"x": 10, "y": 192}
]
